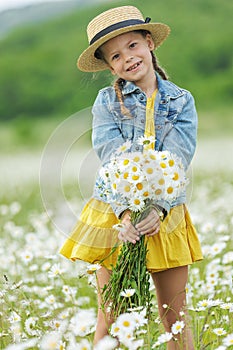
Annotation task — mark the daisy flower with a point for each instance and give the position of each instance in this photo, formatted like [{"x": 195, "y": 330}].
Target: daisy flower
[
  {"x": 125, "y": 147},
  {"x": 228, "y": 341},
  {"x": 164, "y": 338},
  {"x": 27, "y": 256},
  {"x": 14, "y": 317},
  {"x": 50, "y": 341},
  {"x": 126, "y": 322},
  {"x": 119, "y": 227},
  {"x": 219, "y": 331},
  {"x": 84, "y": 344},
  {"x": 125, "y": 188},
  {"x": 146, "y": 140},
  {"x": 136, "y": 203},
  {"x": 127, "y": 293},
  {"x": 93, "y": 268},
  {"x": 177, "y": 327},
  {"x": 107, "y": 343},
  {"x": 55, "y": 271},
  {"x": 31, "y": 326}
]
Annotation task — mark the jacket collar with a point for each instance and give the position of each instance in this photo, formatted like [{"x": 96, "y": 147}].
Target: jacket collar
[{"x": 165, "y": 87}]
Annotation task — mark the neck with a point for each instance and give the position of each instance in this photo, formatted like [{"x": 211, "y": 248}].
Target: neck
[{"x": 149, "y": 86}]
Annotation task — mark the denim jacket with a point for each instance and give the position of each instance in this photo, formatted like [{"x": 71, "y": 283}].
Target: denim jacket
[{"x": 175, "y": 125}]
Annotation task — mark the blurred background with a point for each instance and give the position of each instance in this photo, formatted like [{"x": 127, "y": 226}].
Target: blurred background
[{"x": 40, "y": 86}]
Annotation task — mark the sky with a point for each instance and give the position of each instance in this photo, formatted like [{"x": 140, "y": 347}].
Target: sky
[{"x": 9, "y": 4}]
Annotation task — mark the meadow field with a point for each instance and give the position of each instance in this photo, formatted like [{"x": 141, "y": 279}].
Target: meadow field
[{"x": 48, "y": 302}]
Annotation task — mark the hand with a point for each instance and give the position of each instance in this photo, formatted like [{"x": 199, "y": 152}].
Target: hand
[
  {"x": 129, "y": 234},
  {"x": 150, "y": 225}
]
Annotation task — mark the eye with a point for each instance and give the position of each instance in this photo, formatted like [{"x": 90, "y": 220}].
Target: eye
[
  {"x": 115, "y": 57},
  {"x": 132, "y": 45}
]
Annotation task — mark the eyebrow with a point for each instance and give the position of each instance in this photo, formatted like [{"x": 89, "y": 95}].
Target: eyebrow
[{"x": 127, "y": 44}]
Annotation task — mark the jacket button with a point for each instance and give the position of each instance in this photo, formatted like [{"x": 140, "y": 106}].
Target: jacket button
[
  {"x": 142, "y": 121},
  {"x": 137, "y": 148}
]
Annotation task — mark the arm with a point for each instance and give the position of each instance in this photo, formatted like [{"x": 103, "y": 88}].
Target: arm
[
  {"x": 106, "y": 134},
  {"x": 181, "y": 139}
]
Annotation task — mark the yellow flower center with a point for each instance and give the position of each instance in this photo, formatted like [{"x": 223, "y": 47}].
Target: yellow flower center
[
  {"x": 146, "y": 194},
  {"x": 176, "y": 176},
  {"x": 170, "y": 190},
  {"x": 158, "y": 192},
  {"x": 149, "y": 170},
  {"x": 152, "y": 156},
  {"x": 134, "y": 169},
  {"x": 135, "y": 177},
  {"x": 136, "y": 159},
  {"x": 161, "y": 182},
  {"x": 163, "y": 165},
  {"x": 125, "y": 175},
  {"x": 125, "y": 161},
  {"x": 139, "y": 186},
  {"x": 127, "y": 188},
  {"x": 126, "y": 323},
  {"x": 171, "y": 162},
  {"x": 137, "y": 201}
]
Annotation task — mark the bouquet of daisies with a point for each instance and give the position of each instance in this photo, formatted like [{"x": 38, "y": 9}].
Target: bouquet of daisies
[{"x": 137, "y": 180}]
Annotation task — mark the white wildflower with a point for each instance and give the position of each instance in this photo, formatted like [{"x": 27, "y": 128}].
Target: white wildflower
[
  {"x": 177, "y": 327},
  {"x": 31, "y": 326},
  {"x": 55, "y": 271},
  {"x": 107, "y": 343},
  {"x": 228, "y": 341},
  {"x": 219, "y": 331},
  {"x": 14, "y": 317},
  {"x": 127, "y": 293},
  {"x": 93, "y": 268},
  {"x": 50, "y": 341}
]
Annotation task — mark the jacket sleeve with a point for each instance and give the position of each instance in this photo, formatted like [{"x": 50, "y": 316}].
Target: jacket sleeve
[
  {"x": 106, "y": 134},
  {"x": 181, "y": 132}
]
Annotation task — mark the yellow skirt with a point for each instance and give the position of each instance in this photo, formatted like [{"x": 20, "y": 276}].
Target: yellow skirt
[{"x": 93, "y": 239}]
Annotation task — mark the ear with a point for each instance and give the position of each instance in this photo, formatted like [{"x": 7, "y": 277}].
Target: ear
[{"x": 150, "y": 42}]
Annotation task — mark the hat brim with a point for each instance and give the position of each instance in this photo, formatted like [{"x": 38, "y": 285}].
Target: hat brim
[{"x": 87, "y": 62}]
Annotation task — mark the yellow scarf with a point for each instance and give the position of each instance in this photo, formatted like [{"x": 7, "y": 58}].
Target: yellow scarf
[{"x": 150, "y": 124}]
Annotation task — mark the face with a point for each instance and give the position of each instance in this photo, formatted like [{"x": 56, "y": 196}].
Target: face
[{"x": 129, "y": 56}]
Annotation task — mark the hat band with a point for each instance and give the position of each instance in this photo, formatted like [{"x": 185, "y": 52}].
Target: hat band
[{"x": 119, "y": 25}]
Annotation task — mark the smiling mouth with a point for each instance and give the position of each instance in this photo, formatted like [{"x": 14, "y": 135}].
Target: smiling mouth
[{"x": 134, "y": 66}]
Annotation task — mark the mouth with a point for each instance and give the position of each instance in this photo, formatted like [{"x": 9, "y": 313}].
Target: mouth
[{"x": 134, "y": 66}]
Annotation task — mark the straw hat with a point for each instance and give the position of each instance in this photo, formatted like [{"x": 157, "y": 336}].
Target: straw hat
[{"x": 111, "y": 23}]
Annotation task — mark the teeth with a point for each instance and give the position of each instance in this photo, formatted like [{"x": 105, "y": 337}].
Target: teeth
[{"x": 137, "y": 64}]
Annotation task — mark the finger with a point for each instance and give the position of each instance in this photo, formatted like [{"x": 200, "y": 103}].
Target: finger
[
  {"x": 150, "y": 229},
  {"x": 149, "y": 221},
  {"x": 129, "y": 236},
  {"x": 154, "y": 232},
  {"x": 148, "y": 225},
  {"x": 132, "y": 237}
]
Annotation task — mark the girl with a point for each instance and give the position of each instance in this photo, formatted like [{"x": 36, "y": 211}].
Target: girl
[{"x": 123, "y": 42}]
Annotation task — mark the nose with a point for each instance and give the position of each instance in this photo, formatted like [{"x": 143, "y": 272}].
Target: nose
[{"x": 128, "y": 58}]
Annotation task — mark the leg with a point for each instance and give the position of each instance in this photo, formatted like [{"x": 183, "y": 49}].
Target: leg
[
  {"x": 103, "y": 321},
  {"x": 170, "y": 290}
]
